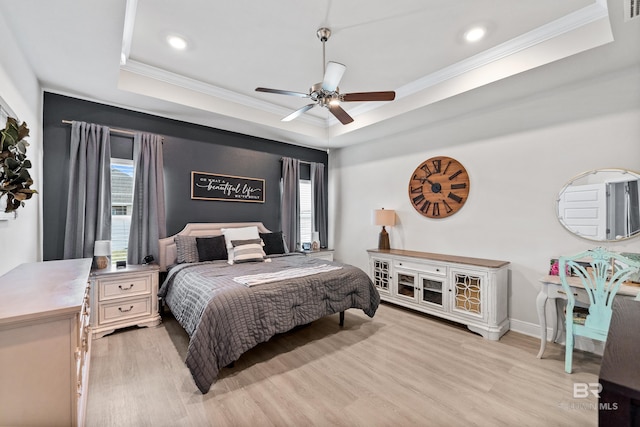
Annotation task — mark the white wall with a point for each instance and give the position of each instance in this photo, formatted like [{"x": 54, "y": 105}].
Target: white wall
[
  {"x": 20, "y": 239},
  {"x": 510, "y": 212}
]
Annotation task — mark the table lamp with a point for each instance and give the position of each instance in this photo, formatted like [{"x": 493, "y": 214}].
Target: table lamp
[
  {"x": 102, "y": 252},
  {"x": 384, "y": 218}
]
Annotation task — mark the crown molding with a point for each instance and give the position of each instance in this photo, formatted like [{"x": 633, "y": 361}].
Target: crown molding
[
  {"x": 575, "y": 20},
  {"x": 162, "y": 75}
]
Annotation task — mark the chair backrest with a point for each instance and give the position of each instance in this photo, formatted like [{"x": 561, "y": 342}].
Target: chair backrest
[{"x": 602, "y": 273}]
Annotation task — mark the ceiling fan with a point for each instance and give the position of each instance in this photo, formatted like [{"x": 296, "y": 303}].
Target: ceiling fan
[{"x": 326, "y": 93}]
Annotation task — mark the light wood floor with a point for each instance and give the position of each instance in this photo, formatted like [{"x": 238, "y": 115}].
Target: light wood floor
[{"x": 398, "y": 369}]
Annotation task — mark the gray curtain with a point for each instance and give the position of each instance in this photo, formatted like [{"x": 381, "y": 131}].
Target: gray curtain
[
  {"x": 320, "y": 212},
  {"x": 148, "y": 221},
  {"x": 89, "y": 193},
  {"x": 634, "y": 211},
  {"x": 290, "y": 203}
]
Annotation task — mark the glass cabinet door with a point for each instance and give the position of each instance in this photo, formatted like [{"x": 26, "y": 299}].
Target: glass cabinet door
[
  {"x": 406, "y": 284},
  {"x": 467, "y": 289},
  {"x": 381, "y": 276},
  {"x": 431, "y": 291}
]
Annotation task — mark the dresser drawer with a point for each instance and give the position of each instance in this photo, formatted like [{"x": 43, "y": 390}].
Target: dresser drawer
[
  {"x": 124, "y": 287},
  {"x": 557, "y": 291},
  {"x": 436, "y": 269},
  {"x": 120, "y": 310}
]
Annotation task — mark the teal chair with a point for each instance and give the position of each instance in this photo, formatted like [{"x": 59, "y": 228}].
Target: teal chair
[{"x": 601, "y": 272}]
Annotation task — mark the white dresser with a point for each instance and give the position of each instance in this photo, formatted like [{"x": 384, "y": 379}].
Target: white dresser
[
  {"x": 471, "y": 291},
  {"x": 124, "y": 297},
  {"x": 45, "y": 343}
]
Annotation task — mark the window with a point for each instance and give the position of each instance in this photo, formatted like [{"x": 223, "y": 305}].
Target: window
[
  {"x": 121, "y": 205},
  {"x": 306, "y": 217}
]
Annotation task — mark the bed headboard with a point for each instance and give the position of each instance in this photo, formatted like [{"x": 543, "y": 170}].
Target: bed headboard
[{"x": 168, "y": 252}]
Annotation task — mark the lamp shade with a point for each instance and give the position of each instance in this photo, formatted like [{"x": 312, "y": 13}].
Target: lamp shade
[
  {"x": 384, "y": 217},
  {"x": 102, "y": 248}
]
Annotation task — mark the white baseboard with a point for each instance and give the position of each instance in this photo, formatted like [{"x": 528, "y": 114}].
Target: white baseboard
[{"x": 533, "y": 330}]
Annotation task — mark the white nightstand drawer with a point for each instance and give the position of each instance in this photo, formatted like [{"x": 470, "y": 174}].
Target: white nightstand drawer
[
  {"x": 124, "y": 287},
  {"x": 120, "y": 310}
]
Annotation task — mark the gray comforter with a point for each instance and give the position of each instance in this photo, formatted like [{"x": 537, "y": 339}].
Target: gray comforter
[{"x": 225, "y": 319}]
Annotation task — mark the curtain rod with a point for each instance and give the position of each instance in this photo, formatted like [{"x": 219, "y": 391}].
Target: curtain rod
[
  {"x": 126, "y": 132},
  {"x": 301, "y": 161}
]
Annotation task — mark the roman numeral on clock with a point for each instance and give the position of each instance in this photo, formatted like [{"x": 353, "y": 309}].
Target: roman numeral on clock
[
  {"x": 459, "y": 186},
  {"x": 418, "y": 199},
  {"x": 436, "y": 209},
  {"x": 455, "y": 197},
  {"x": 448, "y": 208},
  {"x": 444, "y": 172},
  {"x": 425, "y": 206},
  {"x": 455, "y": 174},
  {"x": 437, "y": 165},
  {"x": 418, "y": 189}
]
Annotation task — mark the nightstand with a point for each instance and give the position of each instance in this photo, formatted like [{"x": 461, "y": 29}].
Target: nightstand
[
  {"x": 325, "y": 254},
  {"x": 123, "y": 297}
]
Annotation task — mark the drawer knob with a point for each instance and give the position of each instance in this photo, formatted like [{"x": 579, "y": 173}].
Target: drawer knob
[
  {"x": 125, "y": 289},
  {"x": 125, "y": 310},
  {"x": 563, "y": 292}
]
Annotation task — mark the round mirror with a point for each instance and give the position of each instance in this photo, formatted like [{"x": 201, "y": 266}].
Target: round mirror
[{"x": 601, "y": 205}]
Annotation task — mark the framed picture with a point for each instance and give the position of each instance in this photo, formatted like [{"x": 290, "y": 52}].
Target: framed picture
[{"x": 211, "y": 186}]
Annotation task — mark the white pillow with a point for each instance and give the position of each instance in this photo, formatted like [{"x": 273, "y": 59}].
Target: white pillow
[
  {"x": 241, "y": 233},
  {"x": 248, "y": 250}
]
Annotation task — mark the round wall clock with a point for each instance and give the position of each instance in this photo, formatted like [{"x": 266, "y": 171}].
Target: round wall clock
[{"x": 439, "y": 187}]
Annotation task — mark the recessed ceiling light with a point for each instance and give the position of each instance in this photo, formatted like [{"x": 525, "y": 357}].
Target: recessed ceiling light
[
  {"x": 474, "y": 34},
  {"x": 177, "y": 42}
]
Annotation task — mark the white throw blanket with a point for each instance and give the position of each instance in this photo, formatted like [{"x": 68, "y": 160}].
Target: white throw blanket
[{"x": 290, "y": 273}]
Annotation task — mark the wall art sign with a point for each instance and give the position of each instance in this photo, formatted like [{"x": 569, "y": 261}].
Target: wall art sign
[{"x": 211, "y": 186}]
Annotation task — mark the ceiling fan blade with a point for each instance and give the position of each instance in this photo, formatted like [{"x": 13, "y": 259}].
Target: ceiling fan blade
[
  {"x": 298, "y": 112},
  {"x": 369, "y": 96},
  {"x": 282, "y": 92},
  {"x": 332, "y": 76},
  {"x": 340, "y": 114}
]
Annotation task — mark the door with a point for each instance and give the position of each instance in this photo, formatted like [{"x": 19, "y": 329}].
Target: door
[
  {"x": 432, "y": 291},
  {"x": 406, "y": 284},
  {"x": 583, "y": 209}
]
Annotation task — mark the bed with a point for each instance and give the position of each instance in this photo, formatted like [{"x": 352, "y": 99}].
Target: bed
[{"x": 230, "y": 301}]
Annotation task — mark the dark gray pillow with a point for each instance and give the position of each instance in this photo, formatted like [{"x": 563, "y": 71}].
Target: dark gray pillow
[
  {"x": 186, "y": 249},
  {"x": 273, "y": 243},
  {"x": 211, "y": 248}
]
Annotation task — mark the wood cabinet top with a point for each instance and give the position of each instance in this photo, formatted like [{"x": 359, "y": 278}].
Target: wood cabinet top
[
  {"x": 37, "y": 290},
  {"x": 479, "y": 262},
  {"x": 129, "y": 269}
]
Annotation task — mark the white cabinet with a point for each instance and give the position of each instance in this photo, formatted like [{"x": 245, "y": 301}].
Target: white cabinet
[
  {"x": 124, "y": 297},
  {"x": 45, "y": 343},
  {"x": 471, "y": 291}
]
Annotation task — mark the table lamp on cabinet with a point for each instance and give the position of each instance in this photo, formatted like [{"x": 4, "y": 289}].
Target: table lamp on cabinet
[
  {"x": 384, "y": 217},
  {"x": 102, "y": 252}
]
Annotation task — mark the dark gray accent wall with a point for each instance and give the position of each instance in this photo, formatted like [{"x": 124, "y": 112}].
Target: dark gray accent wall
[{"x": 187, "y": 147}]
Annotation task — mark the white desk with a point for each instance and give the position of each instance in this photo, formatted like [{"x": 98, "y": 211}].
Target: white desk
[{"x": 552, "y": 289}]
